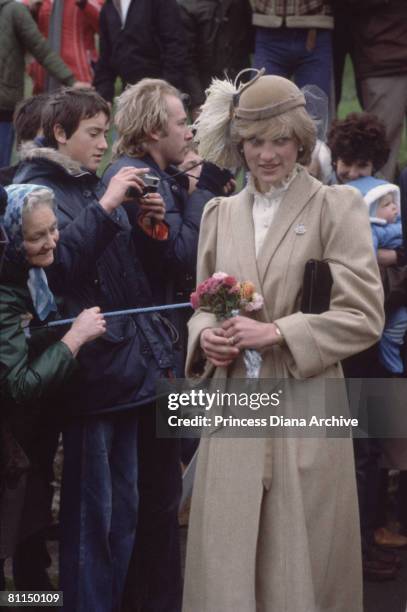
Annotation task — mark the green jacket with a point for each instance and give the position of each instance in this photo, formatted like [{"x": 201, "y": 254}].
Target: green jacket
[
  {"x": 32, "y": 369},
  {"x": 19, "y": 34}
]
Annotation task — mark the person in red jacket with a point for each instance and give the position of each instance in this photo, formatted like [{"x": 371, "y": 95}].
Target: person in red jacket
[{"x": 70, "y": 26}]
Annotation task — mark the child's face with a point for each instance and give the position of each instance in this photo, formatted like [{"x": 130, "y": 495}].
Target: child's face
[
  {"x": 350, "y": 172},
  {"x": 387, "y": 209}
]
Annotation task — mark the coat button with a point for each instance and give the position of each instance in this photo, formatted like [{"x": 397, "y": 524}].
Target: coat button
[
  {"x": 87, "y": 193},
  {"x": 96, "y": 281}
]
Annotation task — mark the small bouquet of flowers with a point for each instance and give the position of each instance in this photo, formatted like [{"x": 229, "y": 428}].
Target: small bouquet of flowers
[{"x": 225, "y": 297}]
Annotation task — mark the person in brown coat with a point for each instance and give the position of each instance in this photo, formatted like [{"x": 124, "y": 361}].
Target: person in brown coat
[{"x": 274, "y": 522}]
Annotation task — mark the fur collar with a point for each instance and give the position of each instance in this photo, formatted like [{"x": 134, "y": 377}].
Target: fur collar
[{"x": 31, "y": 150}]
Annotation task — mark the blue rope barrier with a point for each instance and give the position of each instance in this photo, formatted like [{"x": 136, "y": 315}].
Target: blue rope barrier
[{"x": 117, "y": 313}]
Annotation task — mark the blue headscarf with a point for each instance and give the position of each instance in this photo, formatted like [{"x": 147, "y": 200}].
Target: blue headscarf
[{"x": 43, "y": 299}]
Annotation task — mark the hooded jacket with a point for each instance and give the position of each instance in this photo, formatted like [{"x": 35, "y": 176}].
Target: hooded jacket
[
  {"x": 385, "y": 235},
  {"x": 98, "y": 263},
  {"x": 19, "y": 35}
]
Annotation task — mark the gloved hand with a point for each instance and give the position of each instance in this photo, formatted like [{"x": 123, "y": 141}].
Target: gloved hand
[{"x": 214, "y": 179}]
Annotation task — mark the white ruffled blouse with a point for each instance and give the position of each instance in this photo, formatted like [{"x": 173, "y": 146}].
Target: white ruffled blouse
[{"x": 266, "y": 205}]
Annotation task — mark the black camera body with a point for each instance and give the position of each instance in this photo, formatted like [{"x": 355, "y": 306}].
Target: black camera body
[{"x": 151, "y": 186}]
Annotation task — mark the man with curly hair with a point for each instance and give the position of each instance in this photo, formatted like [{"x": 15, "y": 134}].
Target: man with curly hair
[{"x": 358, "y": 145}]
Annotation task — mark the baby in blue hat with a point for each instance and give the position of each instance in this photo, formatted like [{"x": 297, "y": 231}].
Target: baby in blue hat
[{"x": 383, "y": 201}]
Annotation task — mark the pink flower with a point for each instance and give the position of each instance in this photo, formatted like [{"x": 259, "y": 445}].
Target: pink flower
[
  {"x": 256, "y": 303},
  {"x": 235, "y": 290},
  {"x": 229, "y": 281},
  {"x": 194, "y": 299},
  {"x": 213, "y": 285},
  {"x": 222, "y": 294},
  {"x": 219, "y": 275}
]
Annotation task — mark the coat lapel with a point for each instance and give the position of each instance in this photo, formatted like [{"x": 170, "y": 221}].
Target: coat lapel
[
  {"x": 296, "y": 198},
  {"x": 242, "y": 228}
]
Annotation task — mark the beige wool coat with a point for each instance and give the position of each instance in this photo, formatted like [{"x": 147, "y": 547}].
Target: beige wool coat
[{"x": 274, "y": 524}]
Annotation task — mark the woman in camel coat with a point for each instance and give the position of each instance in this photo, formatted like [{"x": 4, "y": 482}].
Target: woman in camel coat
[{"x": 274, "y": 524}]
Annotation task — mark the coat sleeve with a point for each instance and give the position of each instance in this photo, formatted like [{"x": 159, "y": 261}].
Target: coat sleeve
[
  {"x": 355, "y": 319},
  {"x": 26, "y": 379},
  {"x": 35, "y": 43},
  {"x": 192, "y": 81},
  {"x": 196, "y": 365},
  {"x": 105, "y": 74},
  {"x": 81, "y": 242},
  {"x": 170, "y": 37},
  {"x": 184, "y": 230}
]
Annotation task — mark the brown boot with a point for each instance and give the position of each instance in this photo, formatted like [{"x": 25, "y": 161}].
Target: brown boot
[{"x": 389, "y": 539}]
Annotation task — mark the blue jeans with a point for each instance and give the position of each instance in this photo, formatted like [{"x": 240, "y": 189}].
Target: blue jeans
[
  {"x": 282, "y": 51},
  {"x": 392, "y": 340},
  {"x": 99, "y": 505},
  {"x": 6, "y": 142}
]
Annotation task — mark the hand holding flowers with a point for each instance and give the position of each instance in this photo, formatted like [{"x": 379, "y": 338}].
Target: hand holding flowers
[
  {"x": 247, "y": 333},
  {"x": 225, "y": 297}
]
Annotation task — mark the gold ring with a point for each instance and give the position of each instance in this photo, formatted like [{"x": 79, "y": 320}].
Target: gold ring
[{"x": 232, "y": 340}]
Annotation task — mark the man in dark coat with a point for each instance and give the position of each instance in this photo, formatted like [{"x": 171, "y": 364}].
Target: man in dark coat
[
  {"x": 220, "y": 39},
  {"x": 379, "y": 39},
  {"x": 140, "y": 38},
  {"x": 153, "y": 133},
  {"x": 110, "y": 405}
]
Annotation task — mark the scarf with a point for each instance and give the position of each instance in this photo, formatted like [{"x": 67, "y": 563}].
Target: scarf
[{"x": 42, "y": 297}]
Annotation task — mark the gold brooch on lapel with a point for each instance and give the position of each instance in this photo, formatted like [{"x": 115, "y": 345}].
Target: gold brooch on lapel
[{"x": 300, "y": 229}]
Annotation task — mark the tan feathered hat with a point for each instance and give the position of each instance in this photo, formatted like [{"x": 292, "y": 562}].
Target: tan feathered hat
[
  {"x": 261, "y": 98},
  {"x": 268, "y": 96}
]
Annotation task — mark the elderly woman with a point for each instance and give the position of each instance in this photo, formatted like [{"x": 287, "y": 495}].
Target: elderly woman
[
  {"x": 34, "y": 364},
  {"x": 274, "y": 523}
]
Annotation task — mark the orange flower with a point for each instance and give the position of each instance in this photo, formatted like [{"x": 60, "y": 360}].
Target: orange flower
[{"x": 247, "y": 290}]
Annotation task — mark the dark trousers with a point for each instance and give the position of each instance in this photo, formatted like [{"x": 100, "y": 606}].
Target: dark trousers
[
  {"x": 367, "y": 455},
  {"x": 99, "y": 503},
  {"x": 367, "y": 450},
  {"x": 154, "y": 582}
]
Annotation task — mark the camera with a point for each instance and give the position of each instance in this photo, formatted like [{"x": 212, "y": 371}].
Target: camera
[{"x": 151, "y": 186}]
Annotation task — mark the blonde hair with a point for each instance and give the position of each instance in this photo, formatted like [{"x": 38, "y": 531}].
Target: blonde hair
[
  {"x": 295, "y": 123},
  {"x": 141, "y": 109}
]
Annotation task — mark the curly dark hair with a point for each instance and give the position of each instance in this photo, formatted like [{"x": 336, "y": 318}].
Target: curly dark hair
[{"x": 359, "y": 137}]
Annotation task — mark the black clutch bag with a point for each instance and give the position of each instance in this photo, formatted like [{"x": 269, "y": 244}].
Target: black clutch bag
[{"x": 316, "y": 288}]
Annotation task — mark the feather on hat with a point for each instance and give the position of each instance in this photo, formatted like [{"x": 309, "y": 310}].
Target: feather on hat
[{"x": 263, "y": 97}]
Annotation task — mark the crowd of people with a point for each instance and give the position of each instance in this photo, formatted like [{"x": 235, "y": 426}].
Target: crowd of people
[{"x": 259, "y": 180}]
